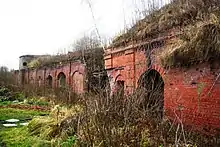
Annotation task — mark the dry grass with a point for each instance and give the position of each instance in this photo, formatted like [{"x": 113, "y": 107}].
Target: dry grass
[
  {"x": 86, "y": 56},
  {"x": 203, "y": 46},
  {"x": 49, "y": 61},
  {"x": 198, "y": 24},
  {"x": 114, "y": 121},
  {"x": 178, "y": 14},
  {"x": 118, "y": 121},
  {"x": 57, "y": 125},
  {"x": 101, "y": 120}
]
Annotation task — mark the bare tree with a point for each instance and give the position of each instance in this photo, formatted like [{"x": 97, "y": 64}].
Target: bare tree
[
  {"x": 86, "y": 43},
  {"x": 6, "y": 76}
]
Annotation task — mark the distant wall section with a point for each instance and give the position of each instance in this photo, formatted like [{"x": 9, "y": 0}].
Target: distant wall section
[{"x": 66, "y": 74}]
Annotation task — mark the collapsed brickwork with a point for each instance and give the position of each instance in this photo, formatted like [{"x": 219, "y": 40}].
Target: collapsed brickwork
[{"x": 190, "y": 71}]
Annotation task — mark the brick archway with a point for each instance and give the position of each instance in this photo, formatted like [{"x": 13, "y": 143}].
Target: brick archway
[
  {"x": 61, "y": 79},
  {"x": 119, "y": 77},
  {"x": 159, "y": 69},
  {"x": 151, "y": 85},
  {"x": 78, "y": 82},
  {"x": 119, "y": 85},
  {"x": 49, "y": 81}
]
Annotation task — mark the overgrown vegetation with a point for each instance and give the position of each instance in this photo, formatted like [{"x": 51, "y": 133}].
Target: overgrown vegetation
[
  {"x": 100, "y": 120},
  {"x": 197, "y": 21},
  {"x": 42, "y": 130},
  {"x": 18, "y": 136},
  {"x": 7, "y": 95},
  {"x": 84, "y": 49},
  {"x": 87, "y": 51},
  {"x": 203, "y": 45},
  {"x": 179, "y": 13},
  {"x": 6, "y": 77},
  {"x": 103, "y": 120},
  {"x": 9, "y": 98}
]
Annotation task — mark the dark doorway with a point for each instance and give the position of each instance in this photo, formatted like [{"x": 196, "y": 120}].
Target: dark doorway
[
  {"x": 151, "y": 85},
  {"x": 120, "y": 88},
  {"x": 61, "y": 79},
  {"x": 49, "y": 81}
]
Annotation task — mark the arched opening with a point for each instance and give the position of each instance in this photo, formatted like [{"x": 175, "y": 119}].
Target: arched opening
[
  {"x": 49, "y": 81},
  {"x": 61, "y": 79},
  {"x": 78, "y": 82},
  {"x": 120, "y": 85},
  {"x": 151, "y": 85}
]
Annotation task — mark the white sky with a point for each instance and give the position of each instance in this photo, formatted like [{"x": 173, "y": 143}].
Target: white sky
[{"x": 46, "y": 26}]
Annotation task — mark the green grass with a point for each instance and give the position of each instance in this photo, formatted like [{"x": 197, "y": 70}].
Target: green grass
[
  {"x": 5, "y": 103},
  {"x": 39, "y": 133},
  {"x": 9, "y": 113},
  {"x": 20, "y": 137},
  {"x": 37, "y": 102}
]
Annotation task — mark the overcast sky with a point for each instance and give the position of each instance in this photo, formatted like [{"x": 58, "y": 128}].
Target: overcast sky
[{"x": 47, "y": 26}]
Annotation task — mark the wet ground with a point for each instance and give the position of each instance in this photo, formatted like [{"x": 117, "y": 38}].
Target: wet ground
[{"x": 13, "y": 123}]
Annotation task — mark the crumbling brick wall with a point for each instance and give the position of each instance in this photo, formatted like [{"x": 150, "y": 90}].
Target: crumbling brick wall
[
  {"x": 75, "y": 75},
  {"x": 190, "y": 93}
]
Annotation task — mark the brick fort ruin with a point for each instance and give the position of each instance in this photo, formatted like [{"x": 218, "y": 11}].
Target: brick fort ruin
[{"x": 176, "y": 48}]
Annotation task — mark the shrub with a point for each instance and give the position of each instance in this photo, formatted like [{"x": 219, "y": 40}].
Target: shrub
[
  {"x": 8, "y": 95},
  {"x": 123, "y": 121}
]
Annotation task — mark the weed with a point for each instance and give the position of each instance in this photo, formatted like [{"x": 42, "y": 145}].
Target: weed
[
  {"x": 69, "y": 142},
  {"x": 200, "y": 88}
]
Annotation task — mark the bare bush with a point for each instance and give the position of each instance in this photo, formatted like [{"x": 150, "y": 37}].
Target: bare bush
[
  {"x": 86, "y": 43},
  {"x": 122, "y": 121},
  {"x": 6, "y": 77},
  {"x": 118, "y": 121}
]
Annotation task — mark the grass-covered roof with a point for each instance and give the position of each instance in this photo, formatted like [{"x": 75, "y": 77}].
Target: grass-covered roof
[
  {"x": 198, "y": 22},
  {"x": 90, "y": 57},
  {"x": 202, "y": 46},
  {"x": 179, "y": 13}
]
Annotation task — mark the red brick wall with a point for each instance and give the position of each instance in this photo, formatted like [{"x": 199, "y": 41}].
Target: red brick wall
[
  {"x": 187, "y": 95},
  {"x": 74, "y": 72},
  {"x": 129, "y": 64},
  {"x": 185, "y": 92}
]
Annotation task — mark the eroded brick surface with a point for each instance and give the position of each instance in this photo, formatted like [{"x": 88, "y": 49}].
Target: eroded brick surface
[
  {"x": 74, "y": 72},
  {"x": 191, "y": 94}
]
